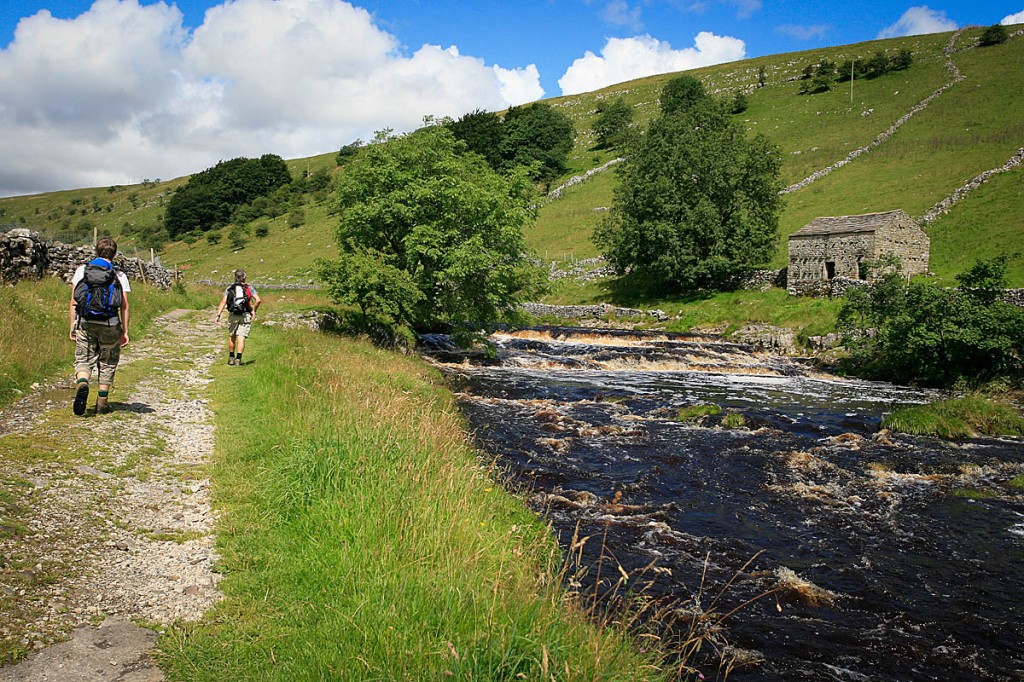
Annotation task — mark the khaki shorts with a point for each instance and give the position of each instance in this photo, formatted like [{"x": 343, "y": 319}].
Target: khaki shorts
[
  {"x": 240, "y": 324},
  {"x": 98, "y": 347}
]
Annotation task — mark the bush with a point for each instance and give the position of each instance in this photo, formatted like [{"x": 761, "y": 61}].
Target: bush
[
  {"x": 262, "y": 230},
  {"x": 994, "y": 35},
  {"x": 739, "y": 103},
  {"x": 920, "y": 333},
  {"x": 238, "y": 237},
  {"x": 213, "y": 237}
]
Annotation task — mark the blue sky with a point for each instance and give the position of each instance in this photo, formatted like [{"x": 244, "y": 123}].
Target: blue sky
[{"x": 96, "y": 92}]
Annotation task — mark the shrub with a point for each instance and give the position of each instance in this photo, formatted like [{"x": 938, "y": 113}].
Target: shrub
[
  {"x": 916, "y": 332},
  {"x": 238, "y": 237},
  {"x": 994, "y": 35}
]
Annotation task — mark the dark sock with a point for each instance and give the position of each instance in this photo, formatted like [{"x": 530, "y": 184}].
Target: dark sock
[
  {"x": 103, "y": 394},
  {"x": 231, "y": 354},
  {"x": 239, "y": 358},
  {"x": 82, "y": 381}
]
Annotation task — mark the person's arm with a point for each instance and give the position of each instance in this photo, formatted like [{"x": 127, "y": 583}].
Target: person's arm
[
  {"x": 223, "y": 303},
  {"x": 256, "y": 300},
  {"x": 72, "y": 315},
  {"x": 124, "y": 318}
]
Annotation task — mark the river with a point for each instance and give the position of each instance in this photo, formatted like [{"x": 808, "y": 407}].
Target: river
[{"x": 783, "y": 529}]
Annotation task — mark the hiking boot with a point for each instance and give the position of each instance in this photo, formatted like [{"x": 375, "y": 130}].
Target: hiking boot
[
  {"x": 102, "y": 406},
  {"x": 231, "y": 361},
  {"x": 81, "y": 396}
]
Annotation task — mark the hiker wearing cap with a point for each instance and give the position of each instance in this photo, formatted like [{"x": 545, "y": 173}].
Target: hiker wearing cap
[
  {"x": 98, "y": 317},
  {"x": 241, "y": 301}
]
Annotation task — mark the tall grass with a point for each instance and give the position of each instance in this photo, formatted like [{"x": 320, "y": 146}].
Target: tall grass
[
  {"x": 34, "y": 341},
  {"x": 961, "y": 417},
  {"x": 361, "y": 539}
]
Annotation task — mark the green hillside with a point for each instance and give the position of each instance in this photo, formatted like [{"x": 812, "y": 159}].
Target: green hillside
[{"x": 972, "y": 126}]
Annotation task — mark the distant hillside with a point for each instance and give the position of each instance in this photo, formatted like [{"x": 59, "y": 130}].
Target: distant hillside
[{"x": 906, "y": 140}]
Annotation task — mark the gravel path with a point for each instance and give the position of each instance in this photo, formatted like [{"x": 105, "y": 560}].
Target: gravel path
[{"x": 115, "y": 524}]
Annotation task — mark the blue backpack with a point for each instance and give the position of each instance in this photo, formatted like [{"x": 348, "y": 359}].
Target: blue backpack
[{"x": 98, "y": 295}]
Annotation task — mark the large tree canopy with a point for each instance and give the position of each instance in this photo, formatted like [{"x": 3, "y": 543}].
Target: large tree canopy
[
  {"x": 209, "y": 197},
  {"x": 698, "y": 201},
  {"x": 537, "y": 135},
  {"x": 438, "y": 229}
]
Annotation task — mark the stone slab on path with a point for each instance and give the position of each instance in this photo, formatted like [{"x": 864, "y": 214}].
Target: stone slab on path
[{"x": 115, "y": 651}]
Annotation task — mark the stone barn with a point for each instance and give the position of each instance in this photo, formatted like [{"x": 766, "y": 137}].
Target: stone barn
[{"x": 839, "y": 247}]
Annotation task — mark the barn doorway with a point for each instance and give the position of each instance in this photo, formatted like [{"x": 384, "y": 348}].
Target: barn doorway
[{"x": 830, "y": 269}]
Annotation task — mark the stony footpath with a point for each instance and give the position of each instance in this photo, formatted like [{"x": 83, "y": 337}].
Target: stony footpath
[{"x": 117, "y": 524}]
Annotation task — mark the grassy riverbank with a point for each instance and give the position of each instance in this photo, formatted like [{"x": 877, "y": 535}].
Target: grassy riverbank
[
  {"x": 962, "y": 417},
  {"x": 34, "y": 342},
  {"x": 362, "y": 539}
]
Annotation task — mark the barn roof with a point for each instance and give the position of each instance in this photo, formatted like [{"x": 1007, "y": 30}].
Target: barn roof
[{"x": 868, "y": 222}]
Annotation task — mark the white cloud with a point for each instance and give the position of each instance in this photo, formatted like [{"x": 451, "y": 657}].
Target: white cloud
[
  {"x": 1017, "y": 18},
  {"x": 624, "y": 59},
  {"x": 123, "y": 92},
  {"x": 619, "y": 13},
  {"x": 917, "y": 21},
  {"x": 747, "y": 8},
  {"x": 804, "y": 32}
]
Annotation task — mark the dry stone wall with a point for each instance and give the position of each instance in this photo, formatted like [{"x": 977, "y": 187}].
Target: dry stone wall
[{"x": 24, "y": 255}]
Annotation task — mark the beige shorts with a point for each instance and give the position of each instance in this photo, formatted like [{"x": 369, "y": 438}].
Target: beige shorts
[
  {"x": 240, "y": 324},
  {"x": 98, "y": 347}
]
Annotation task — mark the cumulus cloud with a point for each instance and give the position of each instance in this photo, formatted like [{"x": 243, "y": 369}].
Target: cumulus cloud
[
  {"x": 624, "y": 59},
  {"x": 917, "y": 21},
  {"x": 124, "y": 92},
  {"x": 1017, "y": 18}
]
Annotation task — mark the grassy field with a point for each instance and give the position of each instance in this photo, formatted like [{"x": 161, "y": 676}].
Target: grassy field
[{"x": 362, "y": 538}]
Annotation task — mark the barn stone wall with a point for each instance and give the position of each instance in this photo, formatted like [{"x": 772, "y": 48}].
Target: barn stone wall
[
  {"x": 901, "y": 237},
  {"x": 809, "y": 254}
]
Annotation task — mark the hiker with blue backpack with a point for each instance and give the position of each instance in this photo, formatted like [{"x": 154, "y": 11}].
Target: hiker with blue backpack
[
  {"x": 241, "y": 301},
  {"x": 98, "y": 316}
]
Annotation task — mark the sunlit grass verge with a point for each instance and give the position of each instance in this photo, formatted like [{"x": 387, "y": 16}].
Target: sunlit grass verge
[
  {"x": 361, "y": 538},
  {"x": 34, "y": 342},
  {"x": 962, "y": 417}
]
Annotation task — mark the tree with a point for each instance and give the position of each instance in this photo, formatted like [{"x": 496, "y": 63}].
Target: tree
[
  {"x": 209, "y": 198},
  {"x": 917, "y": 332},
  {"x": 482, "y": 132},
  {"x": 994, "y": 35},
  {"x": 818, "y": 77},
  {"x": 348, "y": 152},
  {"x": 681, "y": 93},
  {"x": 877, "y": 65},
  {"x": 431, "y": 236},
  {"x": 739, "y": 103},
  {"x": 538, "y": 137},
  {"x": 613, "y": 120},
  {"x": 697, "y": 204}
]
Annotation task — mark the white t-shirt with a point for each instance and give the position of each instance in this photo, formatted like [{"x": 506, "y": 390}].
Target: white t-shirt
[{"x": 121, "y": 277}]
